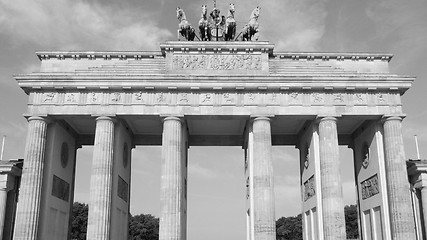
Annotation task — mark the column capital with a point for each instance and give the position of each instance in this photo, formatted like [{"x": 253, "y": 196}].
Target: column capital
[
  {"x": 173, "y": 117},
  {"x": 266, "y": 118},
  {"x": 325, "y": 118},
  {"x": 106, "y": 117},
  {"x": 45, "y": 119},
  {"x": 387, "y": 118}
]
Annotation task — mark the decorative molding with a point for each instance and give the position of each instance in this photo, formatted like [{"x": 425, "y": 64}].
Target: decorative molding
[{"x": 215, "y": 97}]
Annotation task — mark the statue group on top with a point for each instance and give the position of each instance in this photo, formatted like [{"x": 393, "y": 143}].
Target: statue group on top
[{"x": 217, "y": 27}]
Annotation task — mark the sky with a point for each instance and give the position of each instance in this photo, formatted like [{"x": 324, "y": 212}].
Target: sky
[{"x": 216, "y": 182}]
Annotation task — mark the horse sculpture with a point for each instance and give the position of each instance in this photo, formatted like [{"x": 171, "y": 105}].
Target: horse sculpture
[
  {"x": 205, "y": 30},
  {"x": 184, "y": 27},
  {"x": 230, "y": 24},
  {"x": 252, "y": 28}
]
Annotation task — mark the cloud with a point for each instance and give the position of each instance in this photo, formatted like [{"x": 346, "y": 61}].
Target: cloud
[{"x": 78, "y": 24}]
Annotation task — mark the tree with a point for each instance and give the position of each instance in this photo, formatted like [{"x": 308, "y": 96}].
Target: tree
[
  {"x": 351, "y": 222},
  {"x": 289, "y": 228},
  {"x": 143, "y": 227},
  {"x": 79, "y": 221}
]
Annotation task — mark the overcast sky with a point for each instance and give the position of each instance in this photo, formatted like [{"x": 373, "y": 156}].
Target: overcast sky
[{"x": 216, "y": 182}]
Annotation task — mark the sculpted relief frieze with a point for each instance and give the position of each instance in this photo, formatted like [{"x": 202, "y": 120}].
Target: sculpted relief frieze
[
  {"x": 217, "y": 62},
  {"x": 214, "y": 98},
  {"x": 370, "y": 187}
]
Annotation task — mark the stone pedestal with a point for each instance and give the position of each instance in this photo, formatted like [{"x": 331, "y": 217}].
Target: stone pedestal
[
  {"x": 332, "y": 197},
  {"x": 263, "y": 181},
  {"x": 173, "y": 182},
  {"x": 27, "y": 216},
  {"x": 401, "y": 217},
  {"x": 101, "y": 181}
]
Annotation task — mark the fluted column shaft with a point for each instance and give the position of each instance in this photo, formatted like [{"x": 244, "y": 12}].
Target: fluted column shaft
[
  {"x": 172, "y": 189},
  {"x": 3, "y": 201},
  {"x": 401, "y": 218},
  {"x": 424, "y": 204},
  {"x": 28, "y": 210},
  {"x": 101, "y": 183},
  {"x": 332, "y": 196},
  {"x": 263, "y": 181}
]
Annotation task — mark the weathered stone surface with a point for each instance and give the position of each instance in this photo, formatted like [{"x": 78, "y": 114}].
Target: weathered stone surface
[
  {"x": 332, "y": 198},
  {"x": 101, "y": 181},
  {"x": 28, "y": 212},
  {"x": 263, "y": 182},
  {"x": 401, "y": 215},
  {"x": 173, "y": 183}
]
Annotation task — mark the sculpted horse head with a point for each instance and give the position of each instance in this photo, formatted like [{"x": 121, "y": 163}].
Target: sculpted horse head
[
  {"x": 252, "y": 28},
  {"x": 231, "y": 10},
  {"x": 255, "y": 13},
  {"x": 184, "y": 27},
  {"x": 230, "y": 24},
  {"x": 180, "y": 14},
  {"x": 204, "y": 25},
  {"x": 204, "y": 11}
]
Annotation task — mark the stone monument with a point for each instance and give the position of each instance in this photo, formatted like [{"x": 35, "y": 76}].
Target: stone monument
[{"x": 215, "y": 93}]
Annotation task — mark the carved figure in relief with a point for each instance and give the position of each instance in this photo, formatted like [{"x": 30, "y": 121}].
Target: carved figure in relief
[
  {"x": 338, "y": 97},
  {"x": 359, "y": 97},
  {"x": 138, "y": 96},
  {"x": 370, "y": 187},
  {"x": 251, "y": 30},
  {"x": 49, "y": 97},
  {"x": 161, "y": 98},
  {"x": 317, "y": 97},
  {"x": 228, "y": 98},
  {"x": 116, "y": 97},
  {"x": 184, "y": 27},
  {"x": 207, "y": 98},
  {"x": 71, "y": 97},
  {"x": 93, "y": 97},
  {"x": 381, "y": 98},
  {"x": 230, "y": 24},
  {"x": 204, "y": 27}
]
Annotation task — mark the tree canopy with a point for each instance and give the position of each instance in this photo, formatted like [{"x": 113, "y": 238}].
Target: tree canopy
[{"x": 146, "y": 226}]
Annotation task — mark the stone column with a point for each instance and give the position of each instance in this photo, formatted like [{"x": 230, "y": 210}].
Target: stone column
[
  {"x": 101, "y": 182},
  {"x": 424, "y": 204},
  {"x": 4, "y": 188},
  {"x": 401, "y": 218},
  {"x": 332, "y": 197},
  {"x": 27, "y": 215},
  {"x": 263, "y": 181},
  {"x": 172, "y": 222}
]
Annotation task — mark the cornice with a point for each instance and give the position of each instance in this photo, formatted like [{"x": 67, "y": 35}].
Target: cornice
[
  {"x": 93, "y": 55},
  {"x": 344, "y": 56}
]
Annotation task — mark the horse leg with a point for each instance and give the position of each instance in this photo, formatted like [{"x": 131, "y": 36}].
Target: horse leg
[{"x": 179, "y": 31}]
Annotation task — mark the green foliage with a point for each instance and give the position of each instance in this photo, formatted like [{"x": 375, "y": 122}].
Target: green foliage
[
  {"x": 79, "y": 221},
  {"x": 351, "y": 225},
  {"x": 289, "y": 228},
  {"x": 143, "y": 227}
]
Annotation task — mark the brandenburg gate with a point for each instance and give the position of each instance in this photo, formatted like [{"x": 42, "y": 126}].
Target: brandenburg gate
[{"x": 214, "y": 94}]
